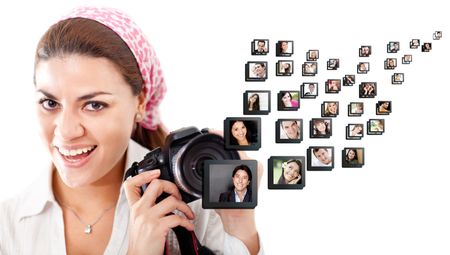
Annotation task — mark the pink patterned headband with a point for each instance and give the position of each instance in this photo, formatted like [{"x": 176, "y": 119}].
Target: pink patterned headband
[{"x": 132, "y": 35}]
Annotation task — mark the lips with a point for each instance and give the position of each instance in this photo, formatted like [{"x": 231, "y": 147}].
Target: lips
[{"x": 75, "y": 157}]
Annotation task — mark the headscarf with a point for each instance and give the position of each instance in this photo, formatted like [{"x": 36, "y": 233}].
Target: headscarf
[{"x": 149, "y": 66}]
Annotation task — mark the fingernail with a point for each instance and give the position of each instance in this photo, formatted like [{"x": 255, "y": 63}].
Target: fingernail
[{"x": 156, "y": 171}]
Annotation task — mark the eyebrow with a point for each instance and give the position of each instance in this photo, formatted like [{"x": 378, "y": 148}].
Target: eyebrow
[{"x": 81, "y": 98}]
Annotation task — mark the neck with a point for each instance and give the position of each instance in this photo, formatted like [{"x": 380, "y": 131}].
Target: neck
[
  {"x": 243, "y": 142},
  {"x": 93, "y": 197},
  {"x": 240, "y": 193}
]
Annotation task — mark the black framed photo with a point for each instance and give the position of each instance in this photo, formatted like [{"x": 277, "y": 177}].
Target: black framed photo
[
  {"x": 256, "y": 102},
  {"x": 260, "y": 47},
  {"x": 320, "y": 158},
  {"x": 375, "y": 127},
  {"x": 286, "y": 172},
  {"x": 437, "y": 35},
  {"x": 407, "y": 59},
  {"x": 230, "y": 184},
  {"x": 384, "y": 107},
  {"x": 353, "y": 157},
  {"x": 398, "y": 78},
  {"x": 242, "y": 133},
  {"x": 414, "y": 44},
  {"x": 355, "y": 109},
  {"x": 288, "y": 100},
  {"x": 309, "y": 90},
  {"x": 320, "y": 128},
  {"x": 354, "y": 131},
  {"x": 367, "y": 89},
  {"x": 390, "y": 63},
  {"x": 284, "y": 48},
  {"x": 309, "y": 69},
  {"x": 365, "y": 51},
  {"x": 289, "y": 130},
  {"x": 285, "y": 67},
  {"x": 256, "y": 71},
  {"x": 348, "y": 80},
  {"x": 333, "y": 86},
  {"x": 330, "y": 109},
  {"x": 363, "y": 67},
  {"x": 312, "y": 55},
  {"x": 393, "y": 47},
  {"x": 333, "y": 64},
  {"x": 426, "y": 47}
]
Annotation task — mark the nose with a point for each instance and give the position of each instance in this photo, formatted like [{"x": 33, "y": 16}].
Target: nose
[{"x": 68, "y": 126}]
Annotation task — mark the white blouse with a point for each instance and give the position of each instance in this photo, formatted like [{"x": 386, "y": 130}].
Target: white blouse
[{"x": 32, "y": 223}]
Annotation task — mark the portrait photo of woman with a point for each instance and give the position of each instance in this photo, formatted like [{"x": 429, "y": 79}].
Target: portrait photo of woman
[
  {"x": 286, "y": 172},
  {"x": 288, "y": 100}
]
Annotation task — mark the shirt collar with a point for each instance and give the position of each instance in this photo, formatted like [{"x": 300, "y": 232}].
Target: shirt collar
[{"x": 40, "y": 194}]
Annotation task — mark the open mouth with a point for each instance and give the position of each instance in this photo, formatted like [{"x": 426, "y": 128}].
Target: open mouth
[{"x": 74, "y": 156}]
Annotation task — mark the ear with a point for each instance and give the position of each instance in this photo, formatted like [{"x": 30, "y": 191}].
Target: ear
[{"x": 141, "y": 103}]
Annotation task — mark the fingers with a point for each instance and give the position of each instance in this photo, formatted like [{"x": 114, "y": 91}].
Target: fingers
[
  {"x": 132, "y": 185},
  {"x": 216, "y": 132},
  {"x": 156, "y": 188},
  {"x": 174, "y": 220},
  {"x": 170, "y": 204}
]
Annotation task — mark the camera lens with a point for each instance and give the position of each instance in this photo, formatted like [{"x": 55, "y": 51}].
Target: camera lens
[{"x": 189, "y": 168}]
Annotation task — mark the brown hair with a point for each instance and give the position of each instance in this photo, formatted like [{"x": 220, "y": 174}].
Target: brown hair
[{"x": 90, "y": 38}]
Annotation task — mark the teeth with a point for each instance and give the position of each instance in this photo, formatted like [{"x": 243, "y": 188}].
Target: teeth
[{"x": 75, "y": 152}]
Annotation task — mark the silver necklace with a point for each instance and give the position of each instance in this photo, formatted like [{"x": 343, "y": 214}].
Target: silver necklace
[{"x": 88, "y": 227}]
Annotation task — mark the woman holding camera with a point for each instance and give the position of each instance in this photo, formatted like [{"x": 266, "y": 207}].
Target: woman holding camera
[{"x": 98, "y": 83}]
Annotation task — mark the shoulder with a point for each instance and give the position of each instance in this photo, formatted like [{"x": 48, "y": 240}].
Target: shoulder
[{"x": 9, "y": 220}]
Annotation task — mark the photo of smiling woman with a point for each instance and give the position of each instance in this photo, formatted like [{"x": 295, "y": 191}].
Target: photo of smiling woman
[
  {"x": 290, "y": 172},
  {"x": 98, "y": 85}
]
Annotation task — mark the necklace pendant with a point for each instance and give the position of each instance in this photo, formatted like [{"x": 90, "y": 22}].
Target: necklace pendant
[{"x": 88, "y": 229}]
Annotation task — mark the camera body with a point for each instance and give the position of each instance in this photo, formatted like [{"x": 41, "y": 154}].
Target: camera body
[{"x": 181, "y": 160}]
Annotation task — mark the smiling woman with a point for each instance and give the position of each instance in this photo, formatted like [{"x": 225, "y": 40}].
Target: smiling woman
[{"x": 98, "y": 85}]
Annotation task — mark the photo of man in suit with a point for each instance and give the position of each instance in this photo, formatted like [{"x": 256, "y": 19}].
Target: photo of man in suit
[{"x": 241, "y": 191}]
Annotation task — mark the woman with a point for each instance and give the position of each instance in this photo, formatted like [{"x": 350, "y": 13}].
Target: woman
[
  {"x": 98, "y": 84},
  {"x": 351, "y": 156},
  {"x": 287, "y": 101},
  {"x": 290, "y": 172},
  {"x": 357, "y": 130},
  {"x": 331, "y": 109},
  {"x": 321, "y": 128},
  {"x": 239, "y": 133},
  {"x": 285, "y": 68},
  {"x": 253, "y": 103}
]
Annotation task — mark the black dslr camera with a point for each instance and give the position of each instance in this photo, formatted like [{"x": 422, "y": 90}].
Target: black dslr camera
[{"x": 181, "y": 160}]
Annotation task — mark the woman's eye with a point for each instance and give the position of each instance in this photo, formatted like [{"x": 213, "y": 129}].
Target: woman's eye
[
  {"x": 48, "y": 104},
  {"x": 94, "y": 106}
]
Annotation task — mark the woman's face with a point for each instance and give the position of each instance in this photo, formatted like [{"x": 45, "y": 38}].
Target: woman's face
[
  {"x": 253, "y": 98},
  {"x": 286, "y": 98},
  {"x": 332, "y": 108},
  {"x": 291, "y": 171},
  {"x": 351, "y": 154},
  {"x": 385, "y": 105},
  {"x": 320, "y": 126},
  {"x": 86, "y": 115},
  {"x": 239, "y": 131},
  {"x": 241, "y": 180},
  {"x": 284, "y": 46}
]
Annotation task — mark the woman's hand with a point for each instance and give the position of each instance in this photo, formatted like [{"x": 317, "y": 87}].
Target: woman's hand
[
  {"x": 149, "y": 222},
  {"x": 240, "y": 223}
]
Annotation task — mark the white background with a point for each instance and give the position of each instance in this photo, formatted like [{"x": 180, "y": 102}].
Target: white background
[{"x": 396, "y": 204}]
